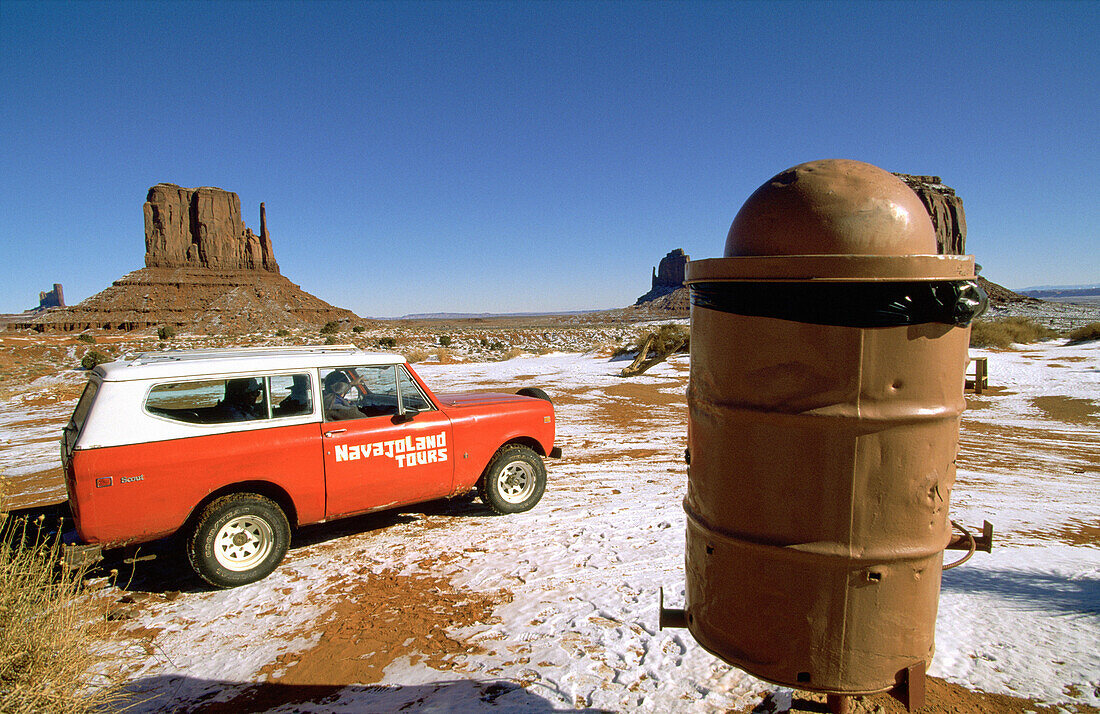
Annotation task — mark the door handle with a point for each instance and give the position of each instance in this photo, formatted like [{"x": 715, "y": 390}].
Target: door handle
[{"x": 335, "y": 432}]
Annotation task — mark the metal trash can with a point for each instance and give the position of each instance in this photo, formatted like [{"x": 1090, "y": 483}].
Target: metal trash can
[{"x": 828, "y": 351}]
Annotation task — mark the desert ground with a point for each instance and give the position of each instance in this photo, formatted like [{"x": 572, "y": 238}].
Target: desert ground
[{"x": 445, "y": 607}]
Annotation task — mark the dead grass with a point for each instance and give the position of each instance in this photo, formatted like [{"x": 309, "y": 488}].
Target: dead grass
[
  {"x": 47, "y": 629},
  {"x": 511, "y": 354},
  {"x": 1088, "y": 333},
  {"x": 445, "y": 356},
  {"x": 1003, "y": 333},
  {"x": 414, "y": 356}
]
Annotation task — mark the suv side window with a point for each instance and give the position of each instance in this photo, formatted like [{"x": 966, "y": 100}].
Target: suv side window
[
  {"x": 290, "y": 395},
  {"x": 237, "y": 399},
  {"x": 358, "y": 392},
  {"x": 209, "y": 401},
  {"x": 412, "y": 397}
]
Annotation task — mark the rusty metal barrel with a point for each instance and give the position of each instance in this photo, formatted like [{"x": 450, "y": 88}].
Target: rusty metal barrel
[{"x": 828, "y": 351}]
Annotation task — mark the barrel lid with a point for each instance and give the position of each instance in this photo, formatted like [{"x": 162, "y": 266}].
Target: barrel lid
[
  {"x": 832, "y": 207},
  {"x": 831, "y": 268}
]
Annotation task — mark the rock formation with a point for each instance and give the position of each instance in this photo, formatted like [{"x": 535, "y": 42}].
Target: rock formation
[
  {"x": 668, "y": 276},
  {"x": 670, "y": 271},
  {"x": 205, "y": 271},
  {"x": 202, "y": 228},
  {"x": 51, "y": 298},
  {"x": 946, "y": 210}
]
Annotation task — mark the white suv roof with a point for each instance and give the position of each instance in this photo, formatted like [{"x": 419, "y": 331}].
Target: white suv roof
[{"x": 237, "y": 360}]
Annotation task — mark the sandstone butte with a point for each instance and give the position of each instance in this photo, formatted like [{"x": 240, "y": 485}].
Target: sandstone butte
[{"x": 204, "y": 271}]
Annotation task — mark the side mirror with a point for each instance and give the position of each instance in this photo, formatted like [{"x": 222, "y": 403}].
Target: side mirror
[{"x": 405, "y": 416}]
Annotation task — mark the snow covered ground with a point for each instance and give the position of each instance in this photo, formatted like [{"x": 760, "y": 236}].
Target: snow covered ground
[
  {"x": 1025, "y": 618},
  {"x": 564, "y": 598}
]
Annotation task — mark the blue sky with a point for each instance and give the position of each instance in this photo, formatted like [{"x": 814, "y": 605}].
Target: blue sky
[{"x": 504, "y": 157}]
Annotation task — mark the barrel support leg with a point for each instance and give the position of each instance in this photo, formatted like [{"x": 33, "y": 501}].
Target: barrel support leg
[
  {"x": 671, "y": 617},
  {"x": 910, "y": 690}
]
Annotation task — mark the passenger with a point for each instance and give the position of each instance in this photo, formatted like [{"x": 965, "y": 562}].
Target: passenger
[
  {"x": 297, "y": 402},
  {"x": 239, "y": 403},
  {"x": 336, "y": 406}
]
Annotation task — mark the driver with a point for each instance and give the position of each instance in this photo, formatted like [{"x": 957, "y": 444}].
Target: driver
[{"x": 337, "y": 407}]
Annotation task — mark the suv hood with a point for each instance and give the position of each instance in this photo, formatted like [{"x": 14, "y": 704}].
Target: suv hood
[{"x": 474, "y": 399}]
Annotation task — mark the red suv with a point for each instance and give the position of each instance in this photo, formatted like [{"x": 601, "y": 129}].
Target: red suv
[{"x": 231, "y": 448}]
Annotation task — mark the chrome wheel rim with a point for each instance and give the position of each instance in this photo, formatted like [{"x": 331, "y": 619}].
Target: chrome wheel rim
[
  {"x": 243, "y": 543},
  {"x": 516, "y": 482}
]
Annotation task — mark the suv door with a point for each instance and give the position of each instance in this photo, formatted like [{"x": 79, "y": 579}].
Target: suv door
[{"x": 385, "y": 443}]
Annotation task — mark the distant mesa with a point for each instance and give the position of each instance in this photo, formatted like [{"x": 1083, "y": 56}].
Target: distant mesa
[
  {"x": 1060, "y": 293},
  {"x": 205, "y": 271}
]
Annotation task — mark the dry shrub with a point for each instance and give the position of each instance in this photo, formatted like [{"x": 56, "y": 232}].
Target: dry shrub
[
  {"x": 511, "y": 354},
  {"x": 48, "y": 629},
  {"x": 413, "y": 356},
  {"x": 1003, "y": 333},
  {"x": 655, "y": 347},
  {"x": 671, "y": 338},
  {"x": 445, "y": 356},
  {"x": 666, "y": 339},
  {"x": 1088, "y": 333},
  {"x": 92, "y": 358}
]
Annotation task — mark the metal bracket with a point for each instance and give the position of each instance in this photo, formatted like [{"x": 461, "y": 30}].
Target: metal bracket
[
  {"x": 983, "y": 542},
  {"x": 669, "y": 618},
  {"x": 970, "y": 543}
]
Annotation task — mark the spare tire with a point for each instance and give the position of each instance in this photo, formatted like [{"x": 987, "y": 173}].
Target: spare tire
[{"x": 534, "y": 392}]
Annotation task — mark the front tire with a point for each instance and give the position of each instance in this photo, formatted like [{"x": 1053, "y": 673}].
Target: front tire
[
  {"x": 514, "y": 480},
  {"x": 238, "y": 539}
]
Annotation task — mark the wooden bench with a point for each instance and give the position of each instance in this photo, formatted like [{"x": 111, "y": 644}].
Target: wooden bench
[{"x": 979, "y": 382}]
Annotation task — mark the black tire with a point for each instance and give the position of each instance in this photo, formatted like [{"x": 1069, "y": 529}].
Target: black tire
[
  {"x": 534, "y": 392},
  {"x": 514, "y": 480},
  {"x": 238, "y": 539}
]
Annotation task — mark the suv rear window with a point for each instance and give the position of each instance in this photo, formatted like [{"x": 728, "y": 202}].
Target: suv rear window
[
  {"x": 237, "y": 399},
  {"x": 76, "y": 423}
]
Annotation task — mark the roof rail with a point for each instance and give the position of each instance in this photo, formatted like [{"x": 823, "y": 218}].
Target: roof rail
[{"x": 231, "y": 352}]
